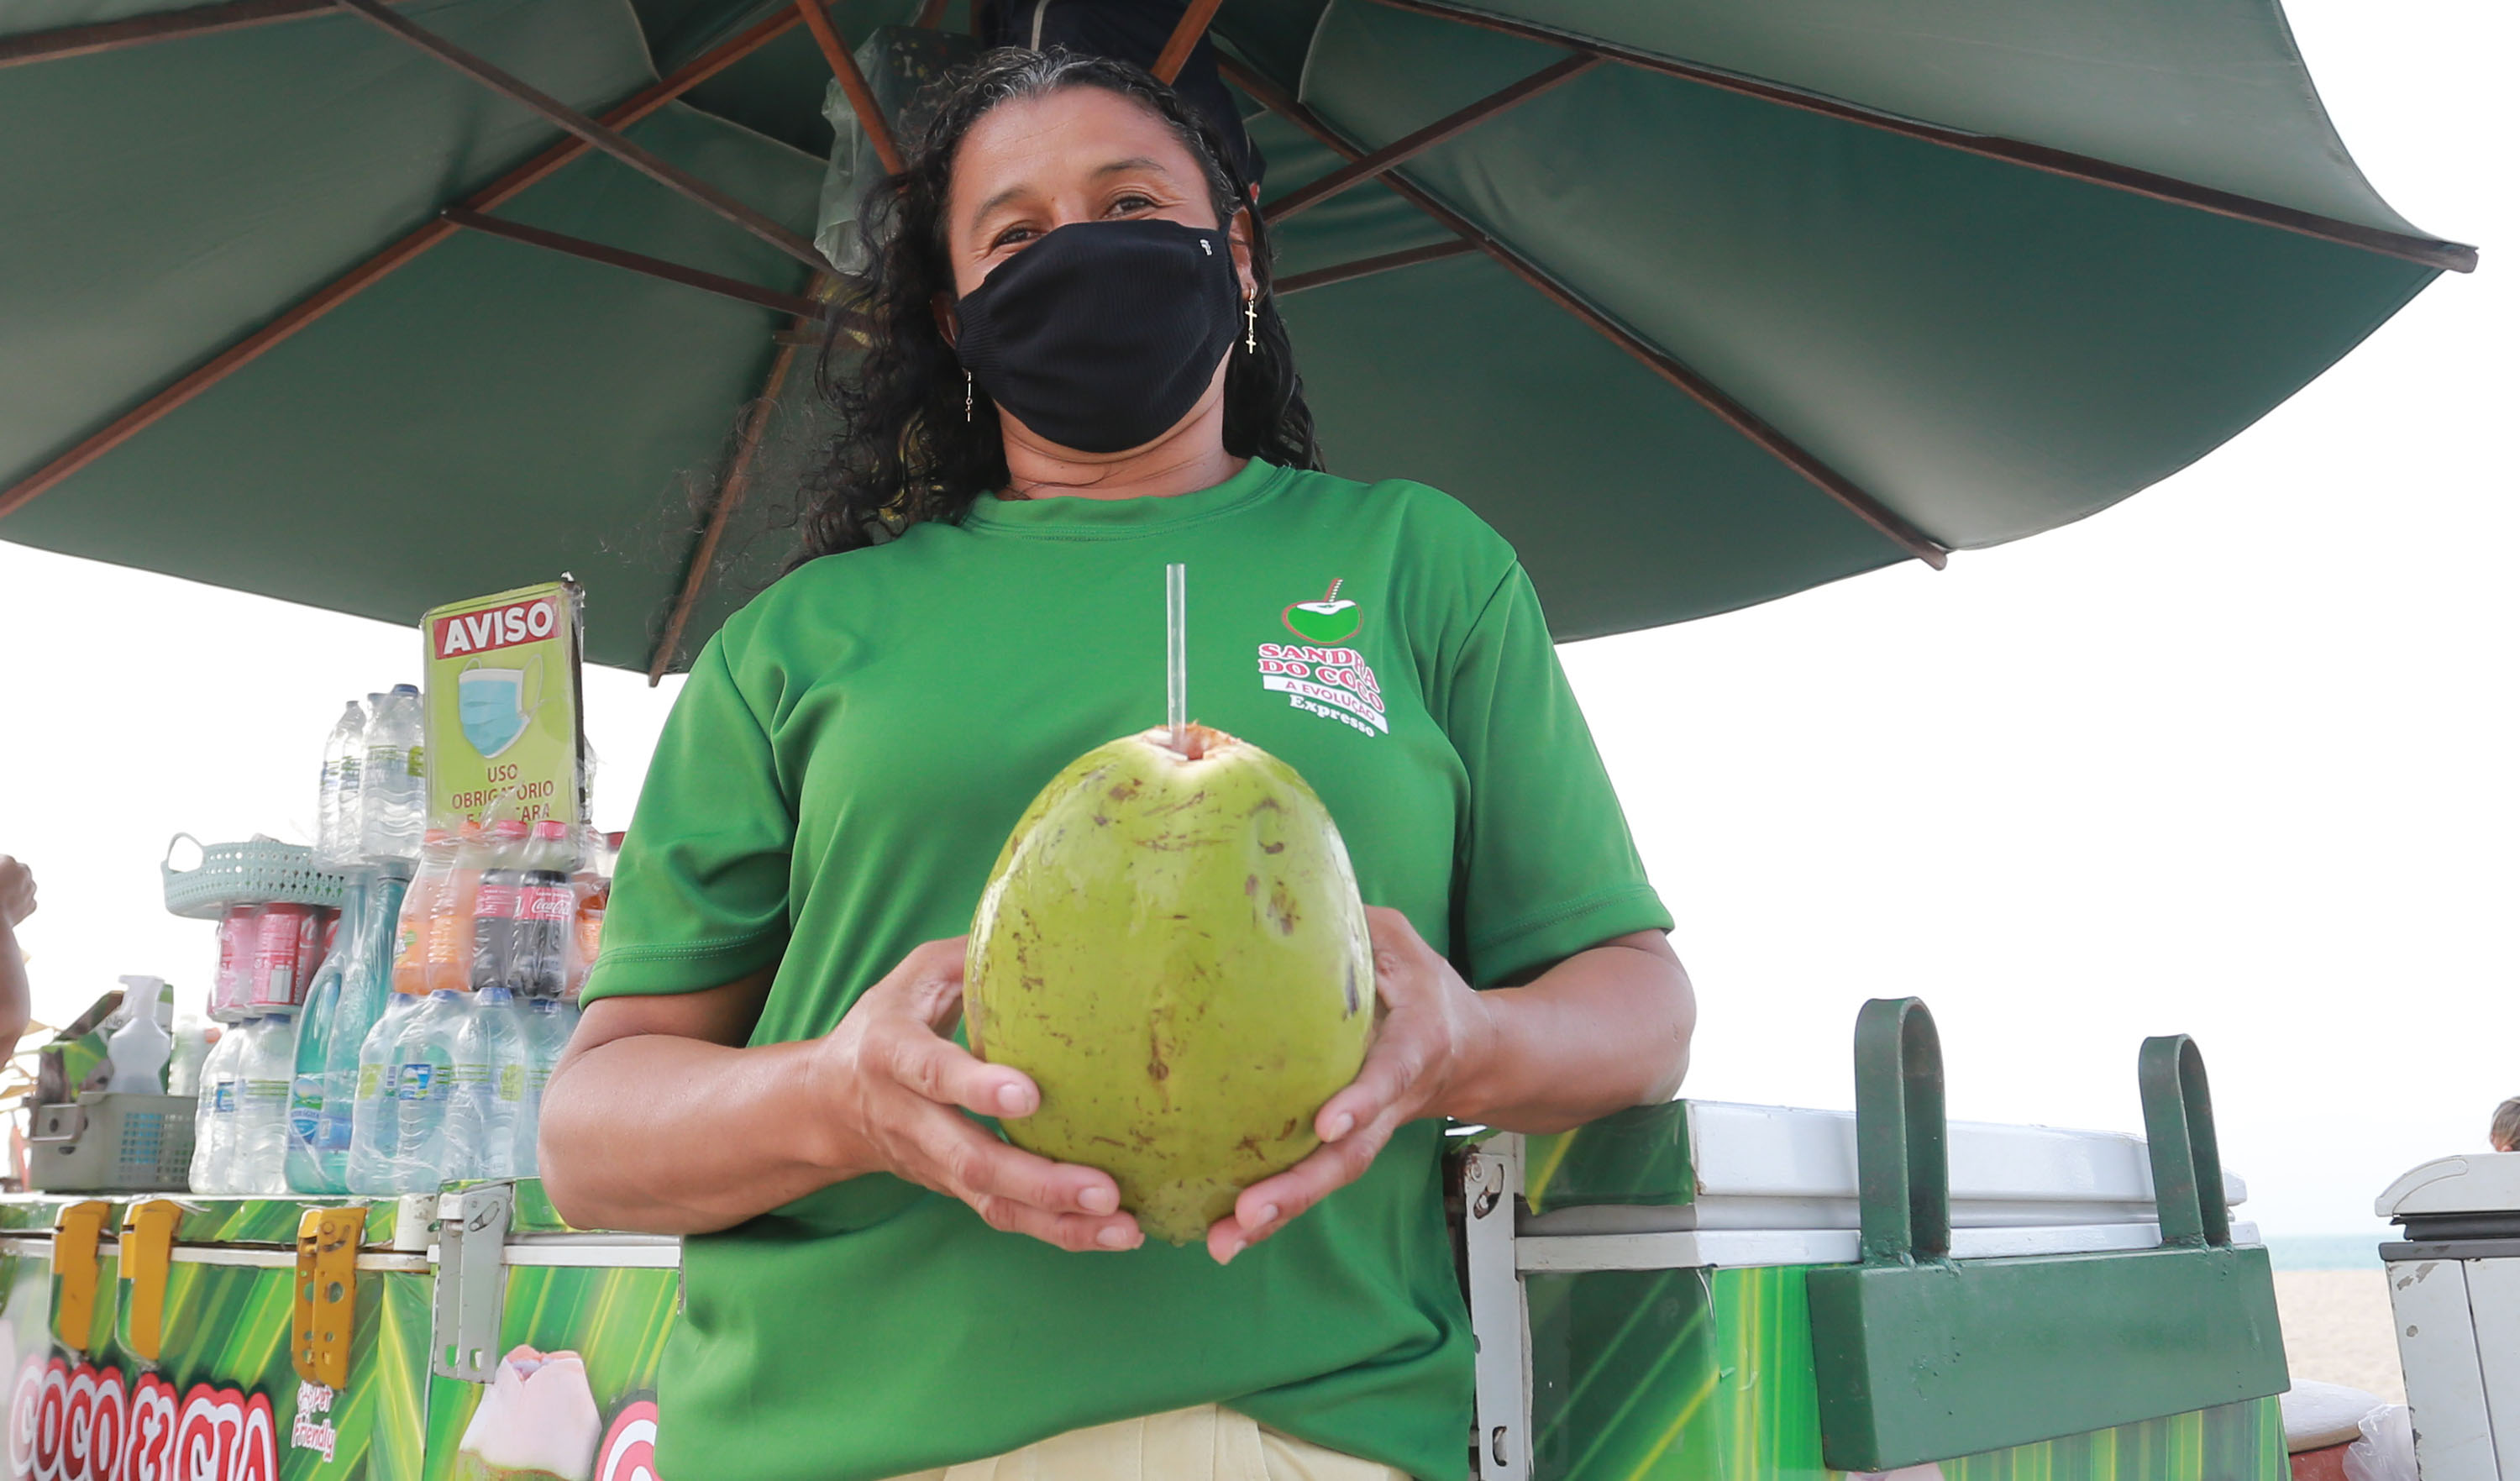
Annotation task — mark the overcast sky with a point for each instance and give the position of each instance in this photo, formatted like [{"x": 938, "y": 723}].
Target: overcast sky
[{"x": 2235, "y": 759}]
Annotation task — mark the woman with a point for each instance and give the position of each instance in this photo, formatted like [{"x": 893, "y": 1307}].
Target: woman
[{"x": 1080, "y": 378}]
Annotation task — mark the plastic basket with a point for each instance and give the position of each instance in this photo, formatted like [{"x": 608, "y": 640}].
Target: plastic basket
[
  {"x": 257, "y": 872},
  {"x": 111, "y": 1143}
]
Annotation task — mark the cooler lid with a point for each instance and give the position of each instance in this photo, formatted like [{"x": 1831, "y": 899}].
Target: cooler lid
[{"x": 2475, "y": 1183}]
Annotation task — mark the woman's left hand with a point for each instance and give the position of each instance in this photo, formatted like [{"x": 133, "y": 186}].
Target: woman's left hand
[{"x": 1434, "y": 1036}]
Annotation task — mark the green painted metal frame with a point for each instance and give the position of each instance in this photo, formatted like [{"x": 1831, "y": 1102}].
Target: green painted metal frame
[{"x": 1921, "y": 1356}]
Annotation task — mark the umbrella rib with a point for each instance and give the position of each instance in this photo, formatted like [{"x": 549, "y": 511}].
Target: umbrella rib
[
  {"x": 165, "y": 26},
  {"x": 853, "y": 82},
  {"x": 2423, "y": 250},
  {"x": 683, "y": 183},
  {"x": 1184, "y": 41},
  {"x": 738, "y": 480},
  {"x": 638, "y": 262},
  {"x": 1357, "y": 173},
  {"x": 1863, "y": 505},
  {"x": 250, "y": 346},
  {"x": 1367, "y": 267}
]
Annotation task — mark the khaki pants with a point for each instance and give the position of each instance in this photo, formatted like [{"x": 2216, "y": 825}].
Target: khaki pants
[{"x": 1203, "y": 1444}]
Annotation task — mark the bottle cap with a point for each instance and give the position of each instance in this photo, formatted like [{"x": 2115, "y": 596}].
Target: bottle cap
[
  {"x": 406, "y": 689},
  {"x": 550, "y": 829},
  {"x": 507, "y": 829}
]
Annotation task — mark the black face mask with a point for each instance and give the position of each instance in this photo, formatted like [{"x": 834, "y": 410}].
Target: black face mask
[{"x": 1102, "y": 335}]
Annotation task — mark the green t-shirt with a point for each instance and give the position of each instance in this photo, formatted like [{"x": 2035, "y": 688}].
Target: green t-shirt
[{"x": 834, "y": 784}]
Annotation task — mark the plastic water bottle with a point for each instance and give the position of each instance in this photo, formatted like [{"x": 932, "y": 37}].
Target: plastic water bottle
[
  {"x": 138, "y": 1046},
  {"x": 393, "y": 778},
  {"x": 549, "y": 1022},
  {"x": 337, "y": 823},
  {"x": 375, "y": 1126},
  {"x": 491, "y": 1068},
  {"x": 214, "y": 1117},
  {"x": 259, "y": 1163},
  {"x": 423, "y": 1085},
  {"x": 366, "y": 987},
  {"x": 312, "y": 1166},
  {"x": 193, "y": 1039}
]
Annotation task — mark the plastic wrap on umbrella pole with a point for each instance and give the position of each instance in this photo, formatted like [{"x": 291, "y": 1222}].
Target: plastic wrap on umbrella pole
[{"x": 899, "y": 62}]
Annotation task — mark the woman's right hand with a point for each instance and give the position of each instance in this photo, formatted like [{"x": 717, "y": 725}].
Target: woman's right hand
[{"x": 897, "y": 1084}]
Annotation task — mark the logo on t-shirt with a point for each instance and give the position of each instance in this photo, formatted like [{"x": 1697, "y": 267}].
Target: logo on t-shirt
[
  {"x": 1332, "y": 619},
  {"x": 1320, "y": 675}
]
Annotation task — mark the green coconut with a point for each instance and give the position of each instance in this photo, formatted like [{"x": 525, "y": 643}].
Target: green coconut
[{"x": 1172, "y": 947}]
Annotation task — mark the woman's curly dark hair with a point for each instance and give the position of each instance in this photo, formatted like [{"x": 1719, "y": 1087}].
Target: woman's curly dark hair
[{"x": 905, "y": 452}]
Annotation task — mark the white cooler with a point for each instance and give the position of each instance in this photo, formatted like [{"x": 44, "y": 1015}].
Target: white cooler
[{"x": 2455, "y": 1286}]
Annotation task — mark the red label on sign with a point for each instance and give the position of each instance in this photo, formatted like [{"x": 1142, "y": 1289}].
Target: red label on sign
[{"x": 499, "y": 627}]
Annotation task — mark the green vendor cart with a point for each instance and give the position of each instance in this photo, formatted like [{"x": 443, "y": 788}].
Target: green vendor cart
[{"x": 1697, "y": 1291}]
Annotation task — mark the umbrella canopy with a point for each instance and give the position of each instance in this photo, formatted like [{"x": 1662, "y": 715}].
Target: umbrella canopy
[{"x": 1700, "y": 303}]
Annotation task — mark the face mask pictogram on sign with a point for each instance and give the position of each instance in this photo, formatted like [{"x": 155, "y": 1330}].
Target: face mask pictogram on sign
[{"x": 490, "y": 706}]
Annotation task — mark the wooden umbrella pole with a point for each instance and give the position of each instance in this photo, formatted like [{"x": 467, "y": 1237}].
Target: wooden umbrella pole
[
  {"x": 731, "y": 492},
  {"x": 1857, "y": 501},
  {"x": 853, "y": 82},
  {"x": 251, "y": 346},
  {"x": 1184, "y": 41}
]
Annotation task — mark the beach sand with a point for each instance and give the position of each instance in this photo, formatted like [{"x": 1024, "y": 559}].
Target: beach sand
[{"x": 2337, "y": 1329}]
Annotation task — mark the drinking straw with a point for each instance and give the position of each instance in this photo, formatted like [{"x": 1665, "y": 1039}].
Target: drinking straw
[{"x": 1177, "y": 653}]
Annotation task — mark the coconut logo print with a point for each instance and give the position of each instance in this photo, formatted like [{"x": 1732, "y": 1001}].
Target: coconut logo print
[{"x": 1320, "y": 675}]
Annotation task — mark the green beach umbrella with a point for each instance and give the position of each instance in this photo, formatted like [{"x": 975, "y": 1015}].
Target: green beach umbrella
[{"x": 373, "y": 305}]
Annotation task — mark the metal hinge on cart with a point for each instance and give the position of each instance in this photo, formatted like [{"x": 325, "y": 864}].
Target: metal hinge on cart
[
  {"x": 1491, "y": 1188},
  {"x": 325, "y": 1300},
  {"x": 471, "y": 1282}
]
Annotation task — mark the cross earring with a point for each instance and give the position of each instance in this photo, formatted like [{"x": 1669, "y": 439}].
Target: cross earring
[
  {"x": 1251, "y": 325},
  {"x": 966, "y": 395}
]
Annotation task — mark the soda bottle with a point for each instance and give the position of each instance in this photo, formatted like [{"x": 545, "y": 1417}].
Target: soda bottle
[
  {"x": 490, "y": 1073},
  {"x": 393, "y": 778},
  {"x": 593, "y": 886},
  {"x": 498, "y": 904},
  {"x": 214, "y": 1115},
  {"x": 548, "y": 1024},
  {"x": 435, "y": 918},
  {"x": 285, "y": 944},
  {"x": 239, "y": 937},
  {"x": 546, "y": 916},
  {"x": 335, "y": 824},
  {"x": 374, "y": 1129},
  {"x": 259, "y": 1164}
]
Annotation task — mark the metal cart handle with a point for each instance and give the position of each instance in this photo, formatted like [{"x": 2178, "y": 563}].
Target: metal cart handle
[
  {"x": 2179, "y": 1128},
  {"x": 1901, "y": 1157}
]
